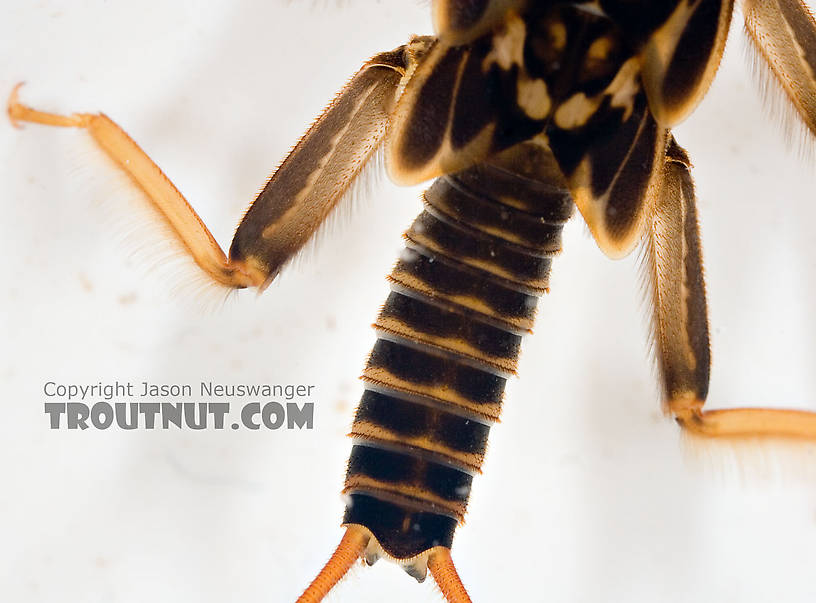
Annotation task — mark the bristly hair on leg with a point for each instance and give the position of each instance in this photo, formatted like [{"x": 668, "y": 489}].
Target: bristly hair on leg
[
  {"x": 138, "y": 228},
  {"x": 360, "y": 192},
  {"x": 776, "y": 102},
  {"x": 645, "y": 267}
]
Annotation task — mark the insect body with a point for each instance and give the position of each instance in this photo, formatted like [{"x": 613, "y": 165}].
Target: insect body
[
  {"x": 521, "y": 110},
  {"x": 464, "y": 291}
]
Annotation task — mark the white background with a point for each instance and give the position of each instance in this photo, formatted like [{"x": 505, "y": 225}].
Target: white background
[{"x": 588, "y": 492}]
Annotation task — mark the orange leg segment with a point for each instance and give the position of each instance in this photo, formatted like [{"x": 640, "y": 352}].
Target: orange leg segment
[
  {"x": 749, "y": 423},
  {"x": 674, "y": 271},
  {"x": 163, "y": 195}
]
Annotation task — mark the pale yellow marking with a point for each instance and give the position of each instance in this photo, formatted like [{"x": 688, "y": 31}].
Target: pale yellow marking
[
  {"x": 663, "y": 42},
  {"x": 436, "y": 558},
  {"x": 599, "y": 50},
  {"x": 533, "y": 98},
  {"x": 597, "y": 59},
  {"x": 416, "y": 566},
  {"x": 508, "y": 50},
  {"x": 372, "y": 431},
  {"x": 431, "y": 501},
  {"x": 339, "y": 180},
  {"x": 558, "y": 35},
  {"x": 591, "y": 209},
  {"x": 576, "y": 111},
  {"x": 513, "y": 202},
  {"x": 508, "y": 45},
  {"x": 450, "y": 344},
  {"x": 625, "y": 87},
  {"x": 691, "y": 358},
  {"x": 466, "y": 301},
  {"x": 440, "y": 393},
  {"x": 257, "y": 266}
]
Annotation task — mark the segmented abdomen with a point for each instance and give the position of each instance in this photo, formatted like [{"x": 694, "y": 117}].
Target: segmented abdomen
[{"x": 463, "y": 292}]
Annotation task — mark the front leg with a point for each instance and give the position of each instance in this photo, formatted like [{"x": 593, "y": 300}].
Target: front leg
[{"x": 680, "y": 321}]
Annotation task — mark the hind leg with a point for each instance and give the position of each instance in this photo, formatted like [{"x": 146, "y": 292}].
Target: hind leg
[{"x": 680, "y": 322}]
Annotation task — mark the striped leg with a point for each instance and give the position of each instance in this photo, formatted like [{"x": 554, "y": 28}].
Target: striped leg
[
  {"x": 680, "y": 320},
  {"x": 298, "y": 198},
  {"x": 784, "y": 34}
]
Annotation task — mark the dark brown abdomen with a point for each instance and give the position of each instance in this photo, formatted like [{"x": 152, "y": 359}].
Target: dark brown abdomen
[{"x": 463, "y": 292}]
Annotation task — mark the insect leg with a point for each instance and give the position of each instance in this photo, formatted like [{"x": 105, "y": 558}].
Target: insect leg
[
  {"x": 784, "y": 33},
  {"x": 318, "y": 172},
  {"x": 297, "y": 199},
  {"x": 680, "y": 322},
  {"x": 166, "y": 199}
]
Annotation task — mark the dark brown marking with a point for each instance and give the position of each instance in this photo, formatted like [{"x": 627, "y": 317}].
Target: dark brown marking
[
  {"x": 462, "y": 15},
  {"x": 411, "y": 421},
  {"x": 691, "y": 56},
  {"x": 447, "y": 329},
  {"x": 427, "y": 123},
  {"x": 628, "y": 193},
  {"x": 318, "y": 171},
  {"x": 433, "y": 372},
  {"x": 482, "y": 252},
  {"x": 475, "y": 104},
  {"x": 526, "y": 230},
  {"x": 442, "y": 281},
  {"x": 404, "y": 473},
  {"x": 401, "y": 532}
]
